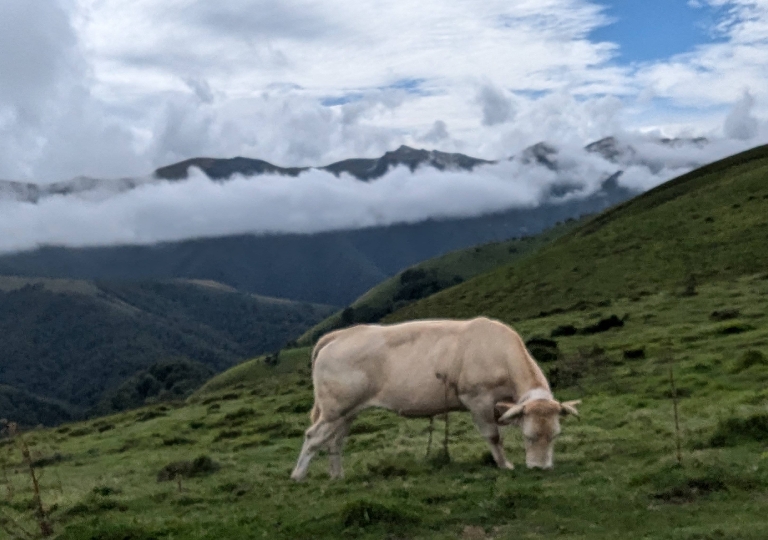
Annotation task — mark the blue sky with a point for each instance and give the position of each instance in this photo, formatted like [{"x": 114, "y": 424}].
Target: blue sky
[{"x": 648, "y": 30}]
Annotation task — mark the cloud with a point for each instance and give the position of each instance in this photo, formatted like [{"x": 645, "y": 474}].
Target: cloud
[
  {"x": 740, "y": 124},
  {"x": 497, "y": 107},
  {"x": 318, "y": 201},
  {"x": 438, "y": 133},
  {"x": 119, "y": 88},
  {"x": 714, "y": 74}
]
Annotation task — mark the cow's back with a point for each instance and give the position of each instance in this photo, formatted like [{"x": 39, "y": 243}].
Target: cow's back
[{"x": 418, "y": 368}]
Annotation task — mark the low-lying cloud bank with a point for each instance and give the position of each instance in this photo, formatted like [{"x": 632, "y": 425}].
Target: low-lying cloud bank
[{"x": 317, "y": 201}]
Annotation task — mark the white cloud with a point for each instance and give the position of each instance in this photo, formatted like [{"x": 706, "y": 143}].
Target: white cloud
[
  {"x": 740, "y": 124},
  {"x": 318, "y": 201},
  {"x": 121, "y": 87},
  {"x": 496, "y": 105},
  {"x": 715, "y": 74}
]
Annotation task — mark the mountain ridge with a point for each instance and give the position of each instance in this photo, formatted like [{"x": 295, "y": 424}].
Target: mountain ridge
[{"x": 363, "y": 169}]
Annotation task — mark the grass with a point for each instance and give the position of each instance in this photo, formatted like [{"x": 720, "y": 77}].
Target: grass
[
  {"x": 615, "y": 475},
  {"x": 708, "y": 225}
]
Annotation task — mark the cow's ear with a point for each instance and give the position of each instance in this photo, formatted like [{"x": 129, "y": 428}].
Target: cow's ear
[
  {"x": 508, "y": 412},
  {"x": 569, "y": 407}
]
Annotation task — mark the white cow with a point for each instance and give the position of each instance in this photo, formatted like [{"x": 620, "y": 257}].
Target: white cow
[{"x": 429, "y": 367}]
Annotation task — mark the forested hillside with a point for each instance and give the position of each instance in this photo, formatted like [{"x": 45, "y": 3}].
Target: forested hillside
[{"x": 71, "y": 341}]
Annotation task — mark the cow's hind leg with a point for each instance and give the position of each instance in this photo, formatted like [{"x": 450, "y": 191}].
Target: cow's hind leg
[
  {"x": 482, "y": 415},
  {"x": 335, "y": 448},
  {"x": 315, "y": 438}
]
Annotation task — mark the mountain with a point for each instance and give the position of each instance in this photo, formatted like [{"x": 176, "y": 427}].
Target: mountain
[
  {"x": 328, "y": 268},
  {"x": 70, "y": 341},
  {"x": 708, "y": 225},
  {"x": 82, "y": 185},
  {"x": 222, "y": 169},
  {"x": 370, "y": 169},
  {"x": 360, "y": 168}
]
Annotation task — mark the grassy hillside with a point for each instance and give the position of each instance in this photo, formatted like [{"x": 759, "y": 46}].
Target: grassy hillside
[
  {"x": 432, "y": 276},
  {"x": 615, "y": 476},
  {"x": 72, "y": 341},
  {"x": 708, "y": 225}
]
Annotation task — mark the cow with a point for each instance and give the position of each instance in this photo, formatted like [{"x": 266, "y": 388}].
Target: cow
[{"x": 427, "y": 367}]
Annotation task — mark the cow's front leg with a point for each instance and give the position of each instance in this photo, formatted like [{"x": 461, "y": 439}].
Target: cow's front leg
[{"x": 482, "y": 414}]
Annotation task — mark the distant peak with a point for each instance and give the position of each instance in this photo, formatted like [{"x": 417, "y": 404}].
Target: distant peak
[{"x": 404, "y": 150}]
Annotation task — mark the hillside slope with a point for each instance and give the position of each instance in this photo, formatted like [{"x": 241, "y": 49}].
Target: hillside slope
[
  {"x": 71, "y": 340},
  {"x": 431, "y": 276},
  {"x": 710, "y": 224},
  {"x": 132, "y": 475}
]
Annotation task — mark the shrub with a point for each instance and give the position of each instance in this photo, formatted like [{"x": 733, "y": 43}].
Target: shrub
[
  {"x": 603, "y": 325},
  {"x": 49, "y": 460},
  {"x": 748, "y": 359},
  {"x": 200, "y": 466},
  {"x": 367, "y": 513},
  {"x": 634, "y": 354},
  {"x": 272, "y": 359},
  {"x": 564, "y": 330},
  {"x": 735, "y": 431},
  {"x": 731, "y": 329},
  {"x": 105, "y": 491},
  {"x": 227, "y": 434},
  {"x": 239, "y": 414},
  {"x": 175, "y": 441},
  {"x": 543, "y": 349},
  {"x": 724, "y": 315},
  {"x": 100, "y": 530},
  {"x": 387, "y": 469},
  {"x": 298, "y": 407},
  {"x": 149, "y": 415}
]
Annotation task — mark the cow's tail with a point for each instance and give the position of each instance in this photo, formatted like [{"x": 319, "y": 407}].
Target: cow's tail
[{"x": 314, "y": 415}]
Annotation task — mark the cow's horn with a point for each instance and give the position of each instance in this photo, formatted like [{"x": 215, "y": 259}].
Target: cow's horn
[
  {"x": 569, "y": 407},
  {"x": 513, "y": 412}
]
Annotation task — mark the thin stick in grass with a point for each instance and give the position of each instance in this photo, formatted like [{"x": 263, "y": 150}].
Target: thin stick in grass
[{"x": 677, "y": 417}]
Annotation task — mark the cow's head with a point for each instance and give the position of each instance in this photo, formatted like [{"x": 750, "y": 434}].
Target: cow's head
[{"x": 540, "y": 423}]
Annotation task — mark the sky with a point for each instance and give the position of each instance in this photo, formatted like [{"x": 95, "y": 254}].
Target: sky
[
  {"x": 117, "y": 88},
  {"x": 113, "y": 88}
]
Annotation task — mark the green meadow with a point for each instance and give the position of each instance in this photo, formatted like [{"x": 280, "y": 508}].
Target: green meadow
[{"x": 616, "y": 472}]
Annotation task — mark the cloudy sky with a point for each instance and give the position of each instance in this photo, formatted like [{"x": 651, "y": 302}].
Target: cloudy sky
[{"x": 114, "y": 88}]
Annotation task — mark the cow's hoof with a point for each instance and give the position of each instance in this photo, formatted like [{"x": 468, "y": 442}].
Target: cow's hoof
[
  {"x": 509, "y": 466},
  {"x": 297, "y": 476}
]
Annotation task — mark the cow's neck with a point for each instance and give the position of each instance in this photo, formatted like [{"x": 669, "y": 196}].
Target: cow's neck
[{"x": 534, "y": 394}]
